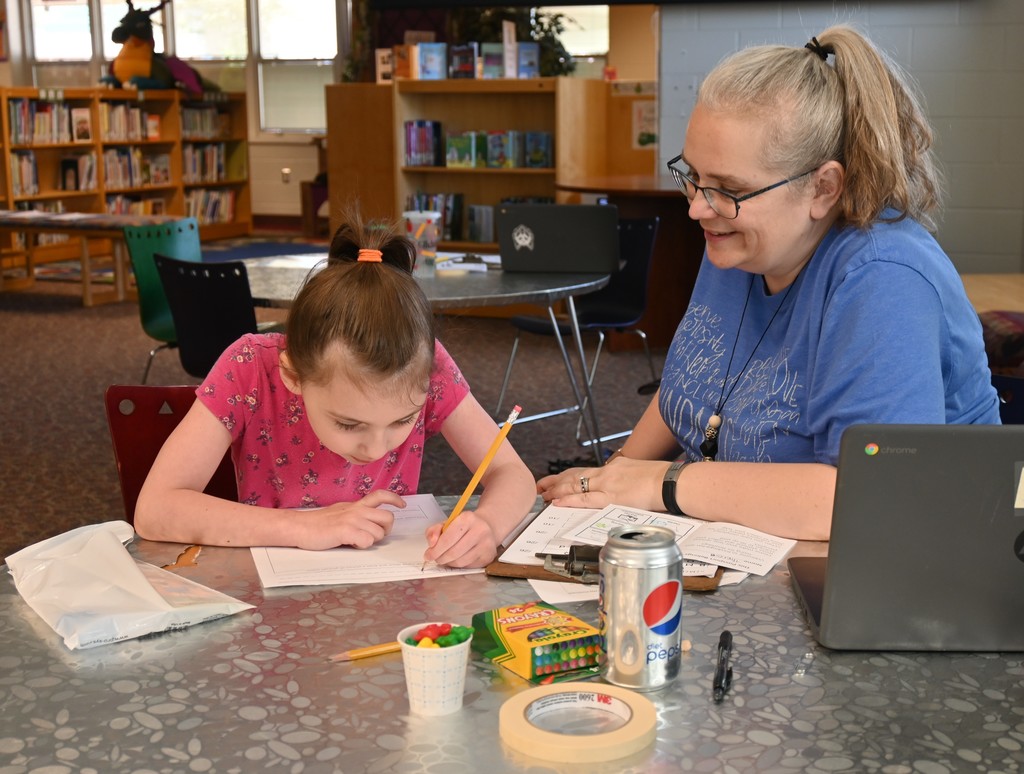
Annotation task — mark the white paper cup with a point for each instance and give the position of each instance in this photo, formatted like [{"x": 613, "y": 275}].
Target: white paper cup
[
  {"x": 434, "y": 677},
  {"x": 424, "y": 229}
]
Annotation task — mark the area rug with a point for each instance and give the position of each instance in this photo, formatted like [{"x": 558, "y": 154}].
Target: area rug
[
  {"x": 252, "y": 247},
  {"x": 213, "y": 252}
]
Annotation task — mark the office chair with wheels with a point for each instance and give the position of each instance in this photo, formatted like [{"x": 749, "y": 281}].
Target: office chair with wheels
[
  {"x": 616, "y": 307},
  {"x": 178, "y": 239},
  {"x": 140, "y": 418},
  {"x": 211, "y": 305}
]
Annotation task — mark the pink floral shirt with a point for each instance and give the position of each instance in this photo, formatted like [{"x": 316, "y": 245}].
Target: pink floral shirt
[{"x": 279, "y": 461}]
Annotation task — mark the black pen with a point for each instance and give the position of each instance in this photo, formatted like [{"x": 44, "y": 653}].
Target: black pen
[{"x": 723, "y": 672}]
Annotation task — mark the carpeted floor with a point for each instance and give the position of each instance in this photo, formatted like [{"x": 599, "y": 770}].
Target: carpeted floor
[{"x": 58, "y": 357}]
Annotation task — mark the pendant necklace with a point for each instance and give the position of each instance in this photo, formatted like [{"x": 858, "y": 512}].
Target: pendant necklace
[{"x": 709, "y": 446}]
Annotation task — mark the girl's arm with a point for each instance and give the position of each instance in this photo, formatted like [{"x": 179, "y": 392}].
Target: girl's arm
[
  {"x": 172, "y": 506},
  {"x": 509, "y": 491}
]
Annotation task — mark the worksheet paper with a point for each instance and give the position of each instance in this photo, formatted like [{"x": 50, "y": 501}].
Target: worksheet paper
[
  {"x": 713, "y": 542},
  {"x": 550, "y": 533},
  {"x": 398, "y": 557},
  {"x": 705, "y": 545}
]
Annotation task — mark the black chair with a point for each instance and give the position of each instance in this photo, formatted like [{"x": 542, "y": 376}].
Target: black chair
[
  {"x": 616, "y": 307},
  {"x": 1011, "y": 398},
  {"x": 211, "y": 305}
]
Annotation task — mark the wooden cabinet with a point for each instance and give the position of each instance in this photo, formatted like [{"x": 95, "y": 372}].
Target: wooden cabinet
[
  {"x": 122, "y": 151},
  {"x": 366, "y": 140}
]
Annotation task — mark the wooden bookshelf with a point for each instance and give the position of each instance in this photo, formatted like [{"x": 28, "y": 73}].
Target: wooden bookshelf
[
  {"x": 120, "y": 151},
  {"x": 365, "y": 148}
]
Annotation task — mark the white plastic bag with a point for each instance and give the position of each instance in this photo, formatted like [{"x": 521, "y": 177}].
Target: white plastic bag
[{"x": 87, "y": 587}]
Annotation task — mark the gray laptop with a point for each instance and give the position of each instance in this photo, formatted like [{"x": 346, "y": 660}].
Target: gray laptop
[
  {"x": 927, "y": 544},
  {"x": 558, "y": 237}
]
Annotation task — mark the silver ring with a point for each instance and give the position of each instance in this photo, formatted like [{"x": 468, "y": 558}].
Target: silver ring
[{"x": 584, "y": 484}]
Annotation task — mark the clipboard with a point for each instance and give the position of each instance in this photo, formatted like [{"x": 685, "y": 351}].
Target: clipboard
[{"x": 499, "y": 569}]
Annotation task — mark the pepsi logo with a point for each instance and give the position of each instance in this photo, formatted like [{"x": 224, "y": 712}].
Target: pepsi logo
[{"x": 663, "y": 608}]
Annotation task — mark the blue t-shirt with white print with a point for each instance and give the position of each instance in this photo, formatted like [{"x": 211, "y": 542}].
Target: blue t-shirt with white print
[{"x": 877, "y": 328}]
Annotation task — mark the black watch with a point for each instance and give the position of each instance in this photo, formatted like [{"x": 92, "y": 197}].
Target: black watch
[{"x": 668, "y": 487}]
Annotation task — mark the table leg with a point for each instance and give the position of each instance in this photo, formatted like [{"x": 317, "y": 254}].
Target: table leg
[
  {"x": 86, "y": 273},
  {"x": 120, "y": 269},
  {"x": 585, "y": 405}
]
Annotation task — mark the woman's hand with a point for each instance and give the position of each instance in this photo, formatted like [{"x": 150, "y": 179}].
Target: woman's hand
[
  {"x": 623, "y": 481},
  {"x": 359, "y": 524},
  {"x": 468, "y": 542}
]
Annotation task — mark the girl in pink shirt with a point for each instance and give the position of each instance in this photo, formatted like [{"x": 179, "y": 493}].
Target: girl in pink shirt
[{"x": 332, "y": 418}]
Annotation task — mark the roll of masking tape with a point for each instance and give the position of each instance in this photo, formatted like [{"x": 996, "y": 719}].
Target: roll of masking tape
[{"x": 578, "y": 724}]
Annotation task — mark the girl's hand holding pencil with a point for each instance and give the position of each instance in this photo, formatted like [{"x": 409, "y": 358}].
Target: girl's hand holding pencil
[{"x": 466, "y": 539}]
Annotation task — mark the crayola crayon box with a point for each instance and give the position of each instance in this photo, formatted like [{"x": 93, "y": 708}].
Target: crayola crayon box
[{"x": 538, "y": 642}]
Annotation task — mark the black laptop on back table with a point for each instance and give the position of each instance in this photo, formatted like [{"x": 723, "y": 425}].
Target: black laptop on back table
[
  {"x": 576, "y": 238},
  {"x": 927, "y": 544}
]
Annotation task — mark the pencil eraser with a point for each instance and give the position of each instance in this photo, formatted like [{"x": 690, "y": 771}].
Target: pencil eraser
[{"x": 518, "y": 408}]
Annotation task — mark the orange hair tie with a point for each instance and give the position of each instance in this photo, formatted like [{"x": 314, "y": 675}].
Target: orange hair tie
[{"x": 370, "y": 255}]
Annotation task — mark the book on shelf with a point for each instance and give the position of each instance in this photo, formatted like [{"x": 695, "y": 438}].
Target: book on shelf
[
  {"x": 87, "y": 172},
  {"x": 453, "y": 206},
  {"x": 423, "y": 144},
  {"x": 69, "y": 174},
  {"x": 538, "y": 149},
  {"x": 528, "y": 59},
  {"x": 466, "y": 149},
  {"x": 508, "y": 48},
  {"x": 152, "y": 126},
  {"x": 480, "y": 223},
  {"x": 383, "y": 57},
  {"x": 81, "y": 124},
  {"x": 401, "y": 66},
  {"x": 433, "y": 59},
  {"x": 492, "y": 60},
  {"x": 462, "y": 60},
  {"x": 24, "y": 173},
  {"x": 505, "y": 149}
]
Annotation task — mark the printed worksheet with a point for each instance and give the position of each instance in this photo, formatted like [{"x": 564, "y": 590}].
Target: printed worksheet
[
  {"x": 553, "y": 530},
  {"x": 543, "y": 535},
  {"x": 711, "y": 542},
  {"x": 398, "y": 557}
]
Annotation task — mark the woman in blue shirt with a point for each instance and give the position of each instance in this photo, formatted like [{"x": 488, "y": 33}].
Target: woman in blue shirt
[{"x": 822, "y": 301}]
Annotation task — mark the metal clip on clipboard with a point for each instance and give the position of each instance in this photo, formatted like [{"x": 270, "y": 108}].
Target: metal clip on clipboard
[{"x": 581, "y": 563}]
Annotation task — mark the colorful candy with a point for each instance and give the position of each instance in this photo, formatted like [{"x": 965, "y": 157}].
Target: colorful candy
[{"x": 440, "y": 636}]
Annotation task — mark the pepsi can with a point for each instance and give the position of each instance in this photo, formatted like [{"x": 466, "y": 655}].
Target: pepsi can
[{"x": 641, "y": 607}]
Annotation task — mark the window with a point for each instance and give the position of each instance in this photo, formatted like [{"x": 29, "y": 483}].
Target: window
[
  {"x": 210, "y": 29},
  {"x": 296, "y": 60},
  {"x": 587, "y": 33},
  {"x": 60, "y": 31}
]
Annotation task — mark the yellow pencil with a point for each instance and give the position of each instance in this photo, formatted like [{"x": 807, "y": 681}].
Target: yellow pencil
[
  {"x": 482, "y": 468},
  {"x": 369, "y": 650}
]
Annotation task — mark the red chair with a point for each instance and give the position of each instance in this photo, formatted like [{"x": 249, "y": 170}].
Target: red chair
[{"x": 140, "y": 417}]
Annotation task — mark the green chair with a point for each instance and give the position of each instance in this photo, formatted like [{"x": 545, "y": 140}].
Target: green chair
[{"x": 179, "y": 239}]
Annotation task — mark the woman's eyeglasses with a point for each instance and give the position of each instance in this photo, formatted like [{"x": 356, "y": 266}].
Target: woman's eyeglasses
[{"x": 724, "y": 204}]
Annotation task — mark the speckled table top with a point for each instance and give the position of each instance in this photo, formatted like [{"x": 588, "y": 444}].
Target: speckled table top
[
  {"x": 275, "y": 281},
  {"x": 255, "y": 692}
]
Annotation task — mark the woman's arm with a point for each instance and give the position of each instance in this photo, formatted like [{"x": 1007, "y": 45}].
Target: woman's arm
[
  {"x": 789, "y": 499},
  {"x": 172, "y": 506},
  {"x": 509, "y": 492},
  {"x": 651, "y": 439}
]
